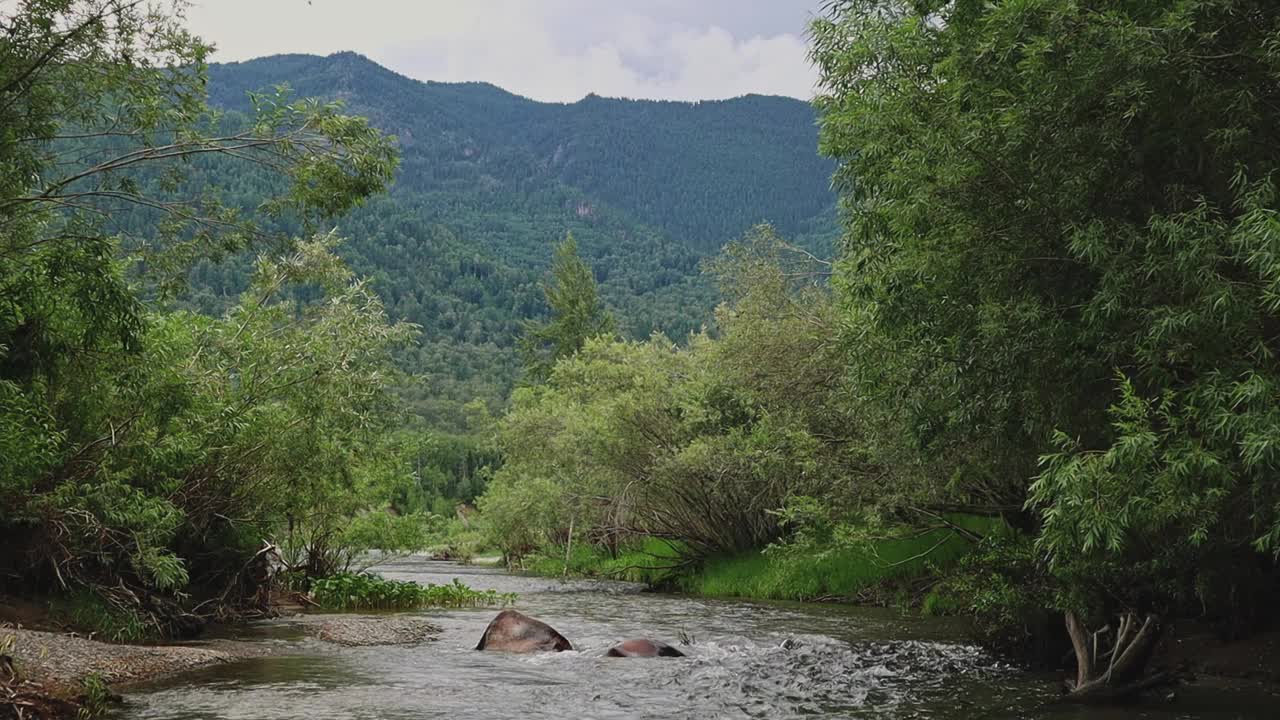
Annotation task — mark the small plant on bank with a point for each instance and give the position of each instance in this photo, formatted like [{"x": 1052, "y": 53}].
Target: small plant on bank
[
  {"x": 94, "y": 701},
  {"x": 362, "y": 591},
  {"x": 90, "y": 612}
]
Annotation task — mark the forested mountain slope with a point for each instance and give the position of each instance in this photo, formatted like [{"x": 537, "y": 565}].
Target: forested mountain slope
[{"x": 489, "y": 181}]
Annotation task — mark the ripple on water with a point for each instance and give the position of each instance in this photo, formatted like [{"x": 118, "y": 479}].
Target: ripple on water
[{"x": 748, "y": 660}]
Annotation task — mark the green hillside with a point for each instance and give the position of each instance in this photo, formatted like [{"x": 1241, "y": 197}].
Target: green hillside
[{"x": 489, "y": 181}]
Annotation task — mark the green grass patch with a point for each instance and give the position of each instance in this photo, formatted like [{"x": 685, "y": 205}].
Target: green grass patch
[
  {"x": 787, "y": 573},
  {"x": 651, "y": 560},
  {"x": 95, "y": 700},
  {"x": 352, "y": 591},
  {"x": 841, "y": 572},
  {"x": 89, "y": 612}
]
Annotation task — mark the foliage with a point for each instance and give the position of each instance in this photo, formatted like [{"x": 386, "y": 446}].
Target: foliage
[
  {"x": 347, "y": 591},
  {"x": 576, "y": 314},
  {"x": 449, "y": 468},
  {"x": 1001, "y": 587},
  {"x": 459, "y": 541},
  {"x": 148, "y": 451},
  {"x": 99, "y": 616},
  {"x": 95, "y": 699},
  {"x": 489, "y": 181},
  {"x": 653, "y": 561},
  {"x": 698, "y": 445},
  {"x": 826, "y": 558},
  {"x": 1057, "y": 284}
]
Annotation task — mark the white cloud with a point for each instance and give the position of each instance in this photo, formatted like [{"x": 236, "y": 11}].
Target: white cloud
[{"x": 555, "y": 50}]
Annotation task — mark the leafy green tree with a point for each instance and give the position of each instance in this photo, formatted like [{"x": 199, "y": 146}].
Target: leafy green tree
[
  {"x": 147, "y": 453},
  {"x": 1059, "y": 243},
  {"x": 700, "y": 444},
  {"x": 577, "y": 314}
]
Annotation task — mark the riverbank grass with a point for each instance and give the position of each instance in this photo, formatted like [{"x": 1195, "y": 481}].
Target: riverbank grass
[
  {"x": 92, "y": 614},
  {"x": 838, "y": 573},
  {"x": 652, "y": 561},
  {"x": 351, "y": 591}
]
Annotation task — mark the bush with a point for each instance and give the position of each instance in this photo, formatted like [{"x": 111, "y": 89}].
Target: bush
[
  {"x": 1001, "y": 586},
  {"x": 650, "y": 560},
  {"x": 89, "y": 612},
  {"x": 94, "y": 701},
  {"x": 351, "y": 591},
  {"x": 457, "y": 541}
]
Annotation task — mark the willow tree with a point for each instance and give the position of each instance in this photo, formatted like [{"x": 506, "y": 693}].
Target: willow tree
[{"x": 1061, "y": 275}]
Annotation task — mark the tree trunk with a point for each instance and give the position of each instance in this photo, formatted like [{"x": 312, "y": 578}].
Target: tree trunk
[
  {"x": 568, "y": 546},
  {"x": 1116, "y": 670}
]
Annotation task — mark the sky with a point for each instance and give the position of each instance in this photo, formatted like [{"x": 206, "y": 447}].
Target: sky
[{"x": 550, "y": 50}]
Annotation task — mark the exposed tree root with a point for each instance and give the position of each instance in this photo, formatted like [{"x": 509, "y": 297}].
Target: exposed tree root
[{"x": 1111, "y": 666}]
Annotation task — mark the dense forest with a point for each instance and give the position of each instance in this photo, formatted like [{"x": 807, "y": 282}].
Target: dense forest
[
  {"x": 488, "y": 183},
  {"x": 1031, "y": 380}
]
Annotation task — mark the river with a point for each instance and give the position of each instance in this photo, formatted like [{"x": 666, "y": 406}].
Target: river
[{"x": 745, "y": 660}]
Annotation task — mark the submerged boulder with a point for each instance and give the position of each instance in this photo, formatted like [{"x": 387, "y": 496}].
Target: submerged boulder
[
  {"x": 642, "y": 647},
  {"x": 513, "y": 631}
]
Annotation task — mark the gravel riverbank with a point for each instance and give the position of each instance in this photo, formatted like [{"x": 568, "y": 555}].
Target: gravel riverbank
[
  {"x": 49, "y": 668},
  {"x": 59, "y": 662},
  {"x": 372, "y": 630}
]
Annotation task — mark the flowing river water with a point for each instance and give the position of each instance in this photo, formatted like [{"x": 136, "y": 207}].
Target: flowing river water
[{"x": 745, "y": 660}]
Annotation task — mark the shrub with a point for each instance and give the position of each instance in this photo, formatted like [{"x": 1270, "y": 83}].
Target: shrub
[
  {"x": 352, "y": 591},
  {"x": 650, "y": 560},
  {"x": 94, "y": 701},
  {"x": 1002, "y": 587},
  {"x": 92, "y": 613}
]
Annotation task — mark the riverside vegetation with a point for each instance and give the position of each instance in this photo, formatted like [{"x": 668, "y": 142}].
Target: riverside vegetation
[
  {"x": 1033, "y": 383},
  {"x": 146, "y": 451},
  {"x": 1037, "y": 384},
  {"x": 355, "y": 591}
]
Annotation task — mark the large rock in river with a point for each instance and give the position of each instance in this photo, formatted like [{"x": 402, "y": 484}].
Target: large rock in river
[
  {"x": 641, "y": 647},
  {"x": 514, "y": 631}
]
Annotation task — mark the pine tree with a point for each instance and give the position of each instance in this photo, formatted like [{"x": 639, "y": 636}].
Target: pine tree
[{"x": 577, "y": 314}]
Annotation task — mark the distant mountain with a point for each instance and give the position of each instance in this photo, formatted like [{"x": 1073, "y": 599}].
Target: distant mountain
[{"x": 489, "y": 181}]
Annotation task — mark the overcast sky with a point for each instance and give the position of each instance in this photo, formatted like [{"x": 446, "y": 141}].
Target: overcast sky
[{"x": 545, "y": 49}]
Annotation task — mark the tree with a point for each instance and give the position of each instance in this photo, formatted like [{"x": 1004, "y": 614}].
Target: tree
[
  {"x": 699, "y": 444},
  {"x": 1060, "y": 243},
  {"x": 577, "y": 314},
  {"x": 146, "y": 452}
]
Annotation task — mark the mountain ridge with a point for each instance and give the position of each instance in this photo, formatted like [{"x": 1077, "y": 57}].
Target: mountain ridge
[
  {"x": 489, "y": 181},
  {"x": 357, "y": 58}
]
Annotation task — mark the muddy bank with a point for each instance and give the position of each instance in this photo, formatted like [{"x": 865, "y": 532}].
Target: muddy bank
[{"x": 1200, "y": 652}]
